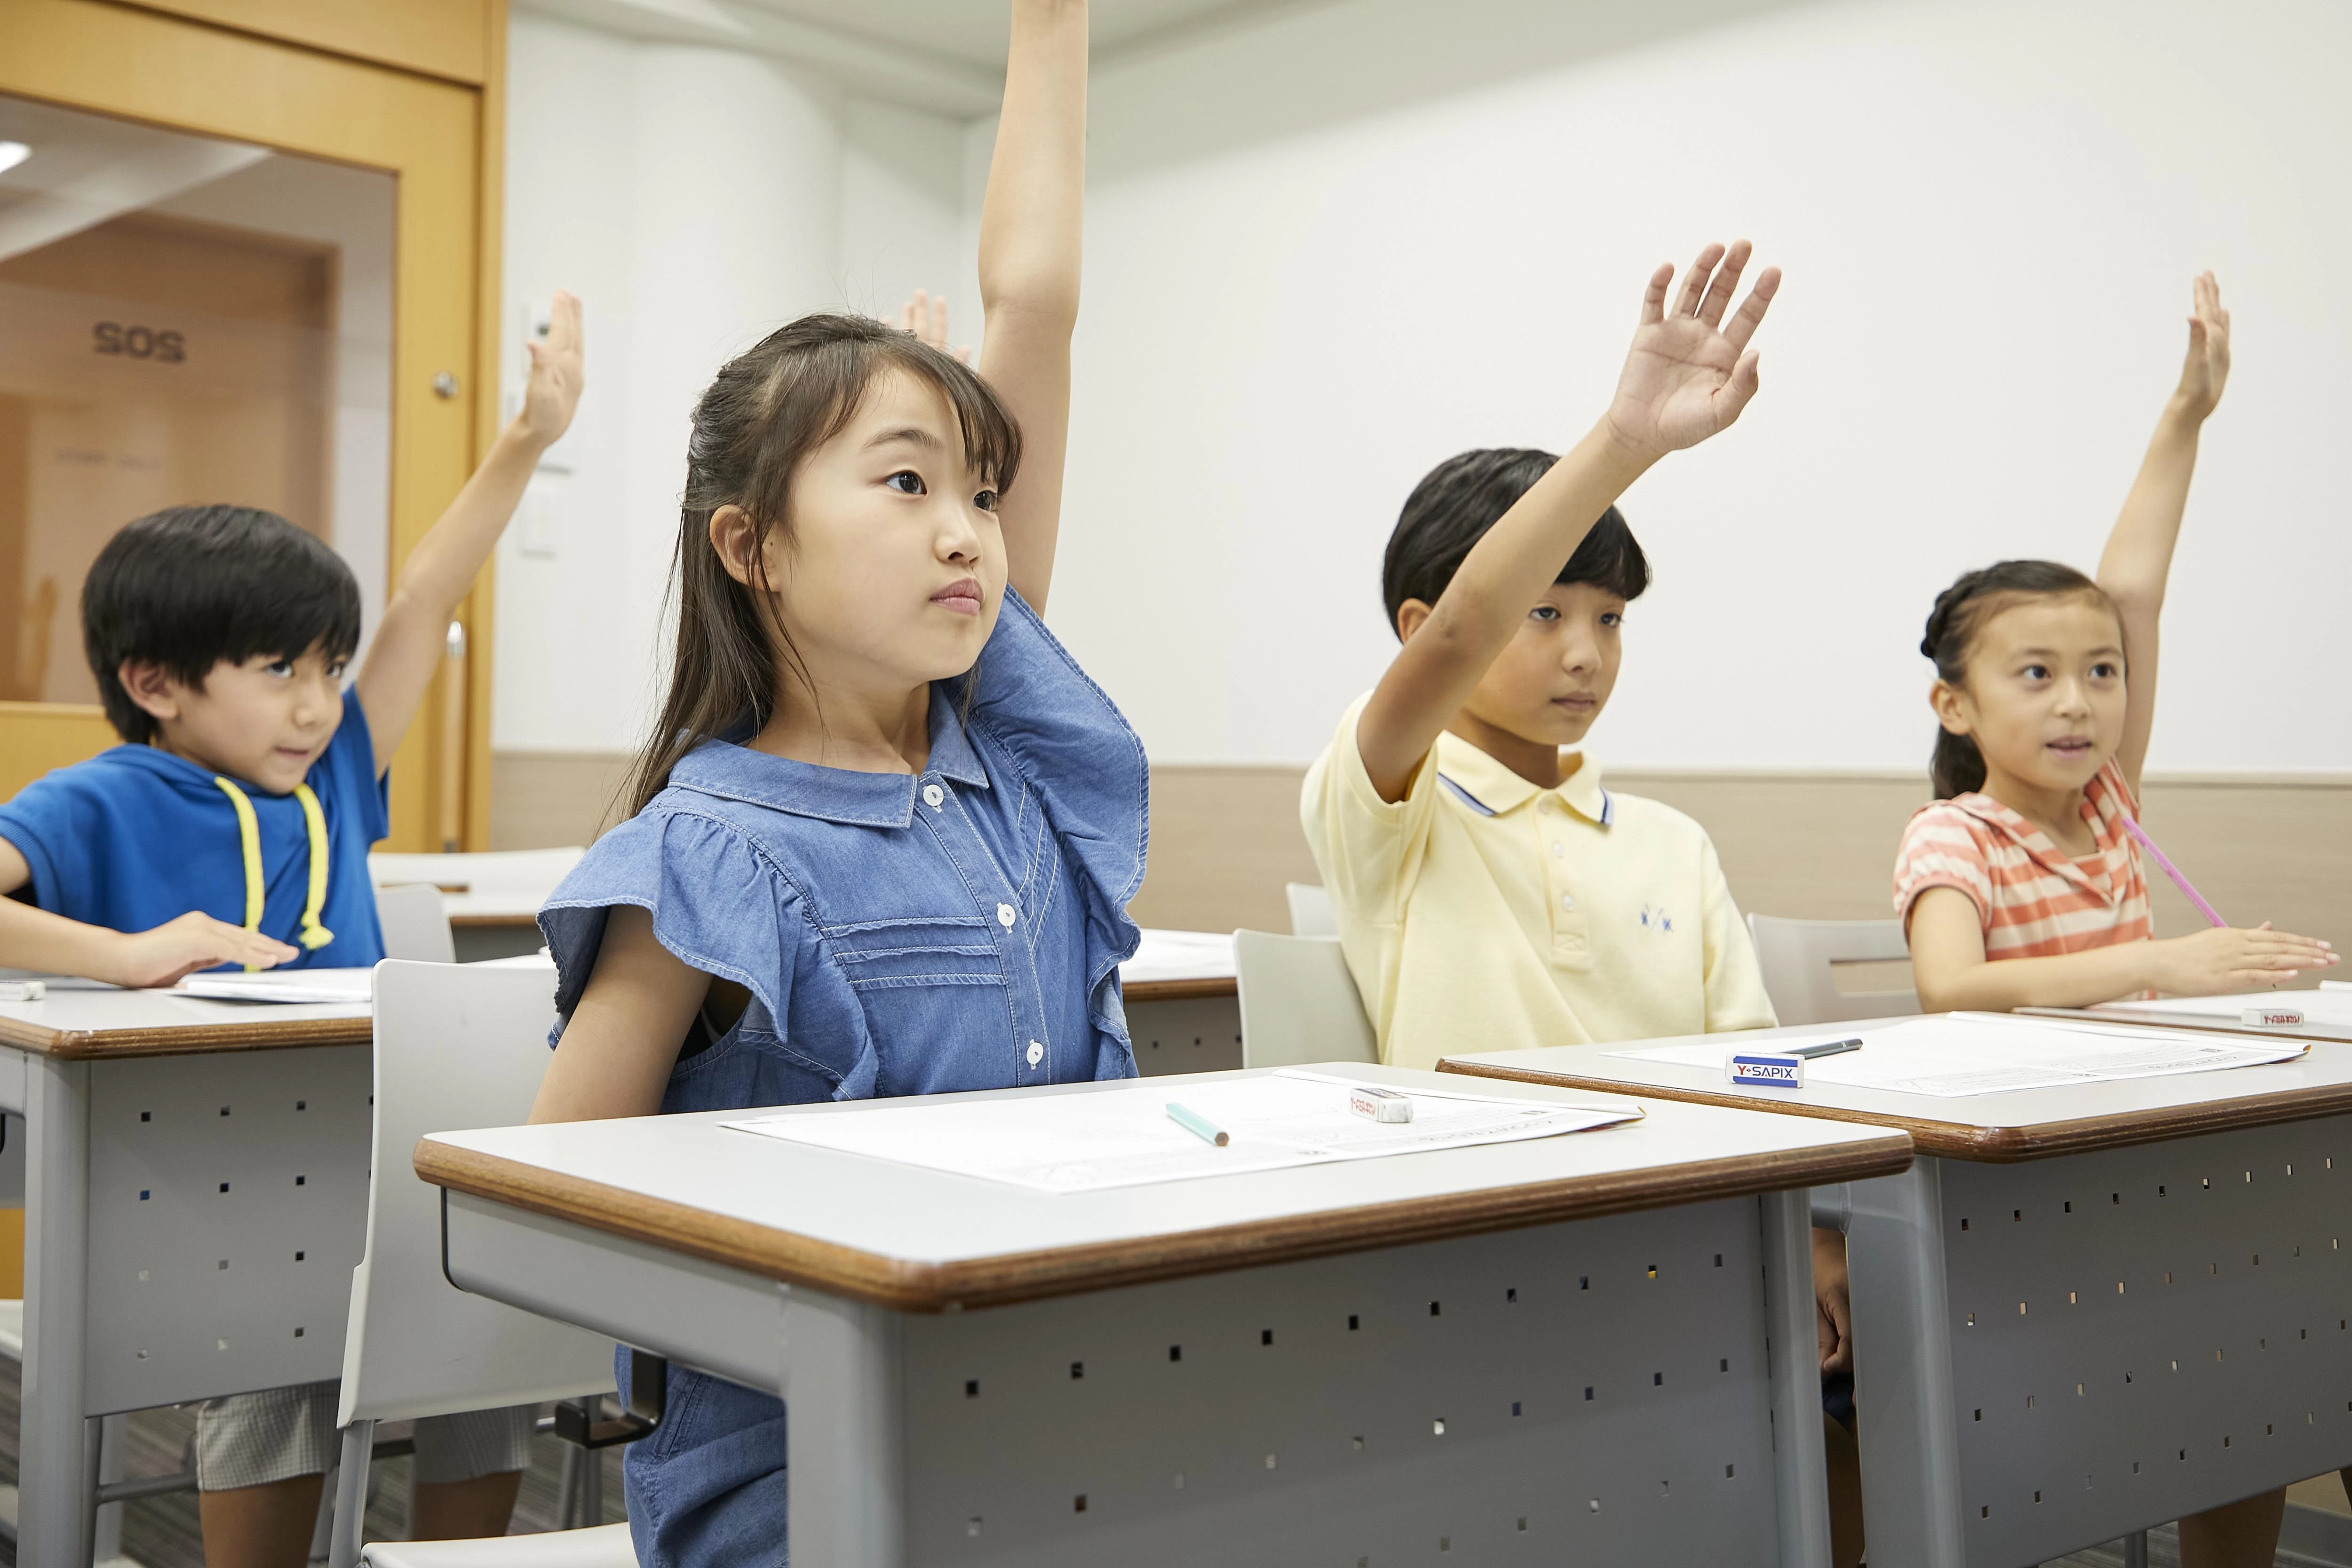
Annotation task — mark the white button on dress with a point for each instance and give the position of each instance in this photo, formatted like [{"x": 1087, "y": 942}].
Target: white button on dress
[
  {"x": 932, "y": 795},
  {"x": 1567, "y": 901},
  {"x": 1036, "y": 1053},
  {"x": 1557, "y": 849},
  {"x": 1006, "y": 915}
]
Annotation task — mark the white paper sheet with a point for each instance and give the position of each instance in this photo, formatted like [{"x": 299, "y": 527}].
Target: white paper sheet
[
  {"x": 1971, "y": 1054},
  {"x": 1086, "y": 1142},
  {"x": 1181, "y": 955},
  {"x": 2325, "y": 1006},
  {"x": 289, "y": 986}
]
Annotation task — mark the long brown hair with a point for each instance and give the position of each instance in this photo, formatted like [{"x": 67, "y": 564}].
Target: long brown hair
[
  {"x": 1957, "y": 765},
  {"x": 766, "y": 411}
]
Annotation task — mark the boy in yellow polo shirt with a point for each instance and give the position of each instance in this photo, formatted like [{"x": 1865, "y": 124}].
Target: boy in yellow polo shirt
[{"x": 1490, "y": 891}]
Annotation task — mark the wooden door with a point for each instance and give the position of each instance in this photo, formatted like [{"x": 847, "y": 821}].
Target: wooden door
[{"x": 410, "y": 92}]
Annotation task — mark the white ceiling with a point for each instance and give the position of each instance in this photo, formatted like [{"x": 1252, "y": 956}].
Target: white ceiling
[
  {"x": 944, "y": 55},
  {"x": 87, "y": 168}
]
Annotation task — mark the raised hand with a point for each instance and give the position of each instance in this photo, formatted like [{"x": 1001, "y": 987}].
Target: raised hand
[
  {"x": 926, "y": 316},
  {"x": 2207, "y": 369},
  {"x": 554, "y": 392},
  {"x": 1688, "y": 373},
  {"x": 179, "y": 948}
]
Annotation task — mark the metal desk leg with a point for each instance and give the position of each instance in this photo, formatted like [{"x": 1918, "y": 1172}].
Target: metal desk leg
[
  {"x": 1903, "y": 1371},
  {"x": 846, "y": 1441},
  {"x": 2135, "y": 1549},
  {"x": 53, "y": 1506},
  {"x": 1801, "y": 1461}
]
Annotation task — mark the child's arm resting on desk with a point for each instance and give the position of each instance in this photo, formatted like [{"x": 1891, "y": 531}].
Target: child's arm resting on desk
[
  {"x": 1029, "y": 224},
  {"x": 622, "y": 1040},
  {"x": 1949, "y": 967},
  {"x": 412, "y": 639},
  {"x": 50, "y": 943},
  {"x": 2137, "y": 561},
  {"x": 1687, "y": 377}
]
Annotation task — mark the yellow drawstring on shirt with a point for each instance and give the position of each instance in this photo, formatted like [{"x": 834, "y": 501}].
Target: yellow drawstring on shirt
[{"x": 248, "y": 831}]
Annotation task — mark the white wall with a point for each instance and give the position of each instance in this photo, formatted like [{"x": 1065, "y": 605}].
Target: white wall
[
  {"x": 696, "y": 199},
  {"x": 1988, "y": 212}
]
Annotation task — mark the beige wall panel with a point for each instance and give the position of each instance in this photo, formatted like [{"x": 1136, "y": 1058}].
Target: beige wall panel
[
  {"x": 440, "y": 37},
  {"x": 545, "y": 800}
]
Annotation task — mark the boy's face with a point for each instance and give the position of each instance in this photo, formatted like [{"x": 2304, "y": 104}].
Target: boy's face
[
  {"x": 2045, "y": 697},
  {"x": 1554, "y": 677},
  {"x": 264, "y": 720}
]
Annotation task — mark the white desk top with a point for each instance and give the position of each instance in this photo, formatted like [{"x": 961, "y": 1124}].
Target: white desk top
[
  {"x": 81, "y": 1019},
  {"x": 2028, "y": 1124},
  {"x": 923, "y": 1241},
  {"x": 2327, "y": 1013}
]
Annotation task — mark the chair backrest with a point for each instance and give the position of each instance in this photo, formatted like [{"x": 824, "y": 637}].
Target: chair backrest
[
  {"x": 1800, "y": 960},
  {"x": 457, "y": 1045},
  {"x": 1298, "y": 1001},
  {"x": 416, "y": 923},
  {"x": 1310, "y": 910}
]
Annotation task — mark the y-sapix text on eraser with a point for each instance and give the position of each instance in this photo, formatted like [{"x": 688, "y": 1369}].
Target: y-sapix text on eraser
[{"x": 1758, "y": 1071}]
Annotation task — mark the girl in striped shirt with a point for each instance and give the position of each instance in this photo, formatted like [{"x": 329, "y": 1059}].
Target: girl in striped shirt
[{"x": 2021, "y": 886}]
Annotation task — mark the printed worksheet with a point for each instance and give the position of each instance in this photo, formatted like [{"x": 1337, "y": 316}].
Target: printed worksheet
[
  {"x": 1965, "y": 1054},
  {"x": 1086, "y": 1142},
  {"x": 287, "y": 985}
]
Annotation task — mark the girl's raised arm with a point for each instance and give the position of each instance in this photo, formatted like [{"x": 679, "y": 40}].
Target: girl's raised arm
[
  {"x": 2138, "y": 557},
  {"x": 1029, "y": 269}
]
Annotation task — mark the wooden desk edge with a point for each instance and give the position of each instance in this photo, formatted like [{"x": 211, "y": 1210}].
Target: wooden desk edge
[
  {"x": 1215, "y": 985},
  {"x": 923, "y": 1287},
  {"x": 191, "y": 1039},
  {"x": 1984, "y": 1145}
]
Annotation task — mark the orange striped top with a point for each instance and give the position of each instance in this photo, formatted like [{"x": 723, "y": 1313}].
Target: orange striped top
[{"x": 2034, "y": 898}]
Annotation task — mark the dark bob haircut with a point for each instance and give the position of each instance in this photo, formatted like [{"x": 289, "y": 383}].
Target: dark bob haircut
[
  {"x": 1458, "y": 500},
  {"x": 191, "y": 585}
]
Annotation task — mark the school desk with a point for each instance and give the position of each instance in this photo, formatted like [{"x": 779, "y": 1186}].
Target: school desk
[
  {"x": 196, "y": 1177},
  {"x": 2328, "y": 1014},
  {"x": 2083, "y": 1312},
  {"x": 1484, "y": 1351}
]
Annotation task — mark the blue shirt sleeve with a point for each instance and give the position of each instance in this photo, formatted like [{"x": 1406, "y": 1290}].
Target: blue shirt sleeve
[
  {"x": 55, "y": 823},
  {"x": 350, "y": 766}
]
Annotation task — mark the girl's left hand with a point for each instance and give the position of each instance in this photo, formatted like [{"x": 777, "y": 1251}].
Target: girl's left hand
[
  {"x": 926, "y": 316},
  {"x": 554, "y": 392},
  {"x": 2207, "y": 369}
]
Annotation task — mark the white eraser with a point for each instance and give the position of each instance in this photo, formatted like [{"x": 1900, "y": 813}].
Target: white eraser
[
  {"x": 22, "y": 990},
  {"x": 1380, "y": 1104},
  {"x": 1758, "y": 1071},
  {"x": 2271, "y": 1017}
]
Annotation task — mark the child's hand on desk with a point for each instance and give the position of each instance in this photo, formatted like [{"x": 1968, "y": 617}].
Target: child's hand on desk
[
  {"x": 177, "y": 949},
  {"x": 926, "y": 316},
  {"x": 2207, "y": 369},
  {"x": 2226, "y": 959},
  {"x": 1688, "y": 375},
  {"x": 553, "y": 390}
]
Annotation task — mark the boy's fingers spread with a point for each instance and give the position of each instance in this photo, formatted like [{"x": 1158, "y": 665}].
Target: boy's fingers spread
[
  {"x": 1727, "y": 280},
  {"x": 1695, "y": 282},
  {"x": 1751, "y": 314},
  {"x": 1654, "y": 298}
]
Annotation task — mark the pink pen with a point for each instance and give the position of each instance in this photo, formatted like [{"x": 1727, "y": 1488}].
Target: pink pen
[{"x": 2172, "y": 871}]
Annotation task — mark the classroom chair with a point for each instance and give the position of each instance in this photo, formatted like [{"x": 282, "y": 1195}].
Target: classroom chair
[
  {"x": 455, "y": 1045},
  {"x": 416, "y": 923},
  {"x": 1310, "y": 910},
  {"x": 1800, "y": 960},
  {"x": 1299, "y": 1002}
]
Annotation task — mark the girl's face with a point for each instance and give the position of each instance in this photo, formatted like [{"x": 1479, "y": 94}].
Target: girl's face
[
  {"x": 895, "y": 571},
  {"x": 2045, "y": 694}
]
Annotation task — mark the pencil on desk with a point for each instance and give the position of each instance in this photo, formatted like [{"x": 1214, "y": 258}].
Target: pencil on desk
[{"x": 1200, "y": 1126}]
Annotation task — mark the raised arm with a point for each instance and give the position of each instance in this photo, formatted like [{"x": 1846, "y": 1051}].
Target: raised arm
[
  {"x": 2137, "y": 561},
  {"x": 410, "y": 639},
  {"x": 1687, "y": 376},
  {"x": 1029, "y": 269}
]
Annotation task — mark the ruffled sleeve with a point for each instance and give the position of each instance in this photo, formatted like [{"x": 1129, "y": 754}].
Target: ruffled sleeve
[
  {"x": 718, "y": 904},
  {"x": 1079, "y": 752}
]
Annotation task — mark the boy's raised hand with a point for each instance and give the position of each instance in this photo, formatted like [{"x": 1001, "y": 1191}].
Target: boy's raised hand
[
  {"x": 553, "y": 394},
  {"x": 2207, "y": 369},
  {"x": 1689, "y": 372}
]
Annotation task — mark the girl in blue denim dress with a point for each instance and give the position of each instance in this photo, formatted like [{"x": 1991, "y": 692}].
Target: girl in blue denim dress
[{"x": 886, "y": 830}]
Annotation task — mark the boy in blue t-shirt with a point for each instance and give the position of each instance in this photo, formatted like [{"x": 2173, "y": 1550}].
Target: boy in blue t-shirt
[{"x": 232, "y": 827}]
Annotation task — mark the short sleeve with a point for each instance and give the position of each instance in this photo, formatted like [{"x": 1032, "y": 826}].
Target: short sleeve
[
  {"x": 1736, "y": 997},
  {"x": 1075, "y": 749},
  {"x": 1941, "y": 850},
  {"x": 53, "y": 822},
  {"x": 717, "y": 904},
  {"x": 1370, "y": 850},
  {"x": 349, "y": 763},
  {"x": 2115, "y": 796}
]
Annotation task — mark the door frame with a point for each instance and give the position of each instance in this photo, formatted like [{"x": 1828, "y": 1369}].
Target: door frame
[{"x": 442, "y": 140}]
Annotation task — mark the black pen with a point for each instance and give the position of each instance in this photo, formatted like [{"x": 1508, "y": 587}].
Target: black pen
[{"x": 1827, "y": 1049}]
